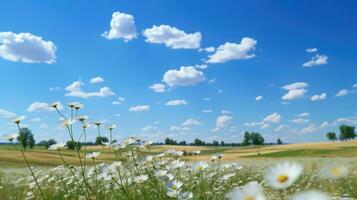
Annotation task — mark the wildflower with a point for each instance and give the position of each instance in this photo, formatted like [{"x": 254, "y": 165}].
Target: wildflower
[
  {"x": 335, "y": 172},
  {"x": 196, "y": 152},
  {"x": 251, "y": 191},
  {"x": 111, "y": 127},
  {"x": 201, "y": 166},
  {"x": 283, "y": 175},
  {"x": 93, "y": 155},
  {"x": 129, "y": 141},
  {"x": 55, "y": 105},
  {"x": 73, "y": 104},
  {"x": 160, "y": 173},
  {"x": 82, "y": 118},
  {"x": 177, "y": 164},
  {"x": 57, "y": 146},
  {"x": 141, "y": 178},
  {"x": 78, "y": 106},
  {"x": 17, "y": 120},
  {"x": 219, "y": 155},
  {"x": 213, "y": 158},
  {"x": 12, "y": 137},
  {"x": 97, "y": 123},
  {"x": 67, "y": 122},
  {"x": 310, "y": 195},
  {"x": 174, "y": 188}
]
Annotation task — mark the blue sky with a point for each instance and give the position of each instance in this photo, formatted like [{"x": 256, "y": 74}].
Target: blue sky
[{"x": 284, "y": 69}]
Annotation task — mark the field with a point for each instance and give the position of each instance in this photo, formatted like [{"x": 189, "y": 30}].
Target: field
[
  {"x": 135, "y": 172},
  {"x": 10, "y": 156}
]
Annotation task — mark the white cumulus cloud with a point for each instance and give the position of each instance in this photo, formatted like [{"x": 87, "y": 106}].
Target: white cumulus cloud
[
  {"x": 258, "y": 98},
  {"x": 191, "y": 122},
  {"x": 122, "y": 26},
  {"x": 316, "y": 60},
  {"x": 319, "y": 97},
  {"x": 185, "y": 76},
  {"x": 172, "y": 37},
  {"x": 75, "y": 90},
  {"x": 6, "y": 114},
  {"x": 311, "y": 50},
  {"x": 176, "y": 102},
  {"x": 139, "y": 108},
  {"x": 158, "y": 87},
  {"x": 42, "y": 106},
  {"x": 342, "y": 93},
  {"x": 295, "y": 90},
  {"x": 27, "y": 48},
  {"x": 96, "y": 80},
  {"x": 273, "y": 118},
  {"x": 221, "y": 122},
  {"x": 233, "y": 51}
]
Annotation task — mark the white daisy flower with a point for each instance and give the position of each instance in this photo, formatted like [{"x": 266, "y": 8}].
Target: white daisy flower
[
  {"x": 67, "y": 122},
  {"x": 283, "y": 175},
  {"x": 57, "y": 146},
  {"x": 160, "y": 173},
  {"x": 12, "y": 137},
  {"x": 310, "y": 195},
  {"x": 251, "y": 191},
  {"x": 201, "y": 166},
  {"x": 335, "y": 171},
  {"x": 174, "y": 188},
  {"x": 18, "y": 119},
  {"x": 93, "y": 155},
  {"x": 141, "y": 178}
]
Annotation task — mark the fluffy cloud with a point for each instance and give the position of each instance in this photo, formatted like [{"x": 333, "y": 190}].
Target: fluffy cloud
[
  {"x": 305, "y": 114},
  {"x": 300, "y": 120},
  {"x": 253, "y": 123},
  {"x": 207, "y": 111},
  {"x": 149, "y": 128},
  {"x": 309, "y": 129},
  {"x": 354, "y": 85},
  {"x": 6, "y": 114},
  {"x": 122, "y": 26},
  {"x": 258, "y": 98},
  {"x": 233, "y": 51},
  {"x": 207, "y": 49},
  {"x": 172, "y": 37},
  {"x": 176, "y": 102},
  {"x": 319, "y": 97},
  {"x": 42, "y": 106},
  {"x": 119, "y": 101},
  {"x": 96, "y": 80},
  {"x": 342, "y": 93},
  {"x": 191, "y": 122},
  {"x": 184, "y": 77},
  {"x": 139, "y": 108},
  {"x": 158, "y": 87},
  {"x": 75, "y": 90},
  {"x": 311, "y": 50},
  {"x": 221, "y": 122},
  {"x": 316, "y": 60},
  {"x": 295, "y": 91},
  {"x": 281, "y": 127},
  {"x": 27, "y": 48},
  {"x": 348, "y": 120},
  {"x": 273, "y": 118}
]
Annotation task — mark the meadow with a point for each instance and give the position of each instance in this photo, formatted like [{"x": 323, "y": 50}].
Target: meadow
[{"x": 131, "y": 171}]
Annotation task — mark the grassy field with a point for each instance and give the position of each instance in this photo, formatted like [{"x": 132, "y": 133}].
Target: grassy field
[{"x": 10, "y": 156}]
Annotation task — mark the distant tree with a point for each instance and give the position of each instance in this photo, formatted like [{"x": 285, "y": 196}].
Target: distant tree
[
  {"x": 47, "y": 143},
  {"x": 247, "y": 139},
  {"x": 331, "y": 136},
  {"x": 256, "y": 139},
  {"x": 347, "y": 132},
  {"x": 182, "y": 143},
  {"x": 279, "y": 141},
  {"x": 198, "y": 142},
  {"x": 100, "y": 140},
  {"x": 26, "y": 139},
  {"x": 73, "y": 145},
  {"x": 222, "y": 143},
  {"x": 215, "y": 143}
]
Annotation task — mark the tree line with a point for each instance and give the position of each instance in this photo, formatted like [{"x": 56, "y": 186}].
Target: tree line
[{"x": 346, "y": 133}]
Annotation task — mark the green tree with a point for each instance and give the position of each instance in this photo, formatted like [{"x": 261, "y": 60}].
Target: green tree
[
  {"x": 26, "y": 139},
  {"x": 73, "y": 145},
  {"x": 100, "y": 140},
  {"x": 347, "y": 132},
  {"x": 247, "y": 139},
  {"x": 256, "y": 139},
  {"x": 279, "y": 141},
  {"x": 331, "y": 136}
]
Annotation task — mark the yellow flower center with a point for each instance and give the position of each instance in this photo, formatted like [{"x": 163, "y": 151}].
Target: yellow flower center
[
  {"x": 335, "y": 171},
  {"x": 283, "y": 178},
  {"x": 174, "y": 187},
  {"x": 249, "y": 198}
]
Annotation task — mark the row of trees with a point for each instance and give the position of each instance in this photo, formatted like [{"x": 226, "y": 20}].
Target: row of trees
[
  {"x": 250, "y": 138},
  {"x": 346, "y": 133}
]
